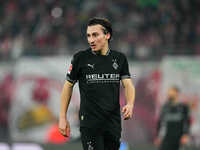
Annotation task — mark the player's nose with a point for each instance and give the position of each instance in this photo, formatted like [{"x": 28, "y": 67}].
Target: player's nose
[{"x": 91, "y": 40}]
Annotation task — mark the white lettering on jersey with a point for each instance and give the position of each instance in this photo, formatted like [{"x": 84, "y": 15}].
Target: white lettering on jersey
[{"x": 102, "y": 78}]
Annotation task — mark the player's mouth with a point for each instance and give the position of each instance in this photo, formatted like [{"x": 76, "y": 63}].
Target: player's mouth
[{"x": 93, "y": 46}]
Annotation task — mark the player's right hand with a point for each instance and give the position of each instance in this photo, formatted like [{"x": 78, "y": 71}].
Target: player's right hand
[
  {"x": 157, "y": 141},
  {"x": 184, "y": 139},
  {"x": 64, "y": 127}
]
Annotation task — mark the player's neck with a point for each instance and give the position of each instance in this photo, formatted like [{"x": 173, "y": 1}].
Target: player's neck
[
  {"x": 175, "y": 101},
  {"x": 104, "y": 50}
]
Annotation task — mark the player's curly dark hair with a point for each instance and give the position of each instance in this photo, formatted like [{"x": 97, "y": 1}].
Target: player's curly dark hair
[
  {"x": 176, "y": 88},
  {"x": 104, "y": 22}
]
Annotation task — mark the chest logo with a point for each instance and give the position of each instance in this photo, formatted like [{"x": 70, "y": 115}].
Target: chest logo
[
  {"x": 115, "y": 65},
  {"x": 90, "y": 66}
]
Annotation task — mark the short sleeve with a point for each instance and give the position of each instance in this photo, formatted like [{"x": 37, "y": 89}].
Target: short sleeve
[
  {"x": 125, "y": 69},
  {"x": 186, "y": 126},
  {"x": 72, "y": 74}
]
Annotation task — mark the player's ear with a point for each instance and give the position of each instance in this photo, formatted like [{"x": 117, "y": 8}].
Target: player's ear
[{"x": 108, "y": 36}]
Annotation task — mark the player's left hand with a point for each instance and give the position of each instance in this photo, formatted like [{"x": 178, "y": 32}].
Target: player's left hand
[
  {"x": 184, "y": 139},
  {"x": 127, "y": 111}
]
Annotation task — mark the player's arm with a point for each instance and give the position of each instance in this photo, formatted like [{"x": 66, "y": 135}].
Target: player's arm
[
  {"x": 66, "y": 94},
  {"x": 185, "y": 138},
  {"x": 160, "y": 120},
  {"x": 159, "y": 133},
  {"x": 71, "y": 78},
  {"x": 129, "y": 88}
]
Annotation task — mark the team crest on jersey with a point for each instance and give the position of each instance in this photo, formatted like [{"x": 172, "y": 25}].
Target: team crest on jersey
[
  {"x": 115, "y": 65},
  {"x": 70, "y": 69},
  {"x": 90, "y": 147}
]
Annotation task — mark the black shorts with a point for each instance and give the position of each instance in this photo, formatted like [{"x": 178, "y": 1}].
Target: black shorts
[
  {"x": 99, "y": 139},
  {"x": 170, "y": 144}
]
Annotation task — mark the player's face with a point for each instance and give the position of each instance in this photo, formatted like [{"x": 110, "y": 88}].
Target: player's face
[
  {"x": 172, "y": 94},
  {"x": 96, "y": 37}
]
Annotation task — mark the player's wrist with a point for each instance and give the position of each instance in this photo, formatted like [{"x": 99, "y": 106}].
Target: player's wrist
[
  {"x": 185, "y": 135},
  {"x": 130, "y": 104},
  {"x": 62, "y": 116}
]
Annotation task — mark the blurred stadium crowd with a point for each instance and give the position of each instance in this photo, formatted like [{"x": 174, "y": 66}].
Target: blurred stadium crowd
[{"x": 144, "y": 29}]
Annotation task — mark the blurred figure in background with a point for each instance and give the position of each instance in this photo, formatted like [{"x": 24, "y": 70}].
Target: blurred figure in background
[
  {"x": 5, "y": 102},
  {"x": 173, "y": 124}
]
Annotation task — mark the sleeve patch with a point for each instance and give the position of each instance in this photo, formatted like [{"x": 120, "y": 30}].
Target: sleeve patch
[{"x": 70, "y": 69}]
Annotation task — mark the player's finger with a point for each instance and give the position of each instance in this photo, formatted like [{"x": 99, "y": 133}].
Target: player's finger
[
  {"x": 68, "y": 132},
  {"x": 126, "y": 112},
  {"x": 123, "y": 109},
  {"x": 125, "y": 116},
  {"x": 128, "y": 115},
  {"x": 62, "y": 131}
]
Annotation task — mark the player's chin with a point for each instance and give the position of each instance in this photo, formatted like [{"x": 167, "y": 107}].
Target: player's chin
[{"x": 95, "y": 50}]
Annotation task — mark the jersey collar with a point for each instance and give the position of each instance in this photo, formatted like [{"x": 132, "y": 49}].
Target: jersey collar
[{"x": 108, "y": 52}]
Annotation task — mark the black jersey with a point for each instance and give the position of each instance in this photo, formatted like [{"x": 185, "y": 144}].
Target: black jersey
[
  {"x": 174, "y": 120},
  {"x": 99, "y": 83}
]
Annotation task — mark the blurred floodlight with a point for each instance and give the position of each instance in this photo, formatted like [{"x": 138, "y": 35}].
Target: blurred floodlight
[{"x": 57, "y": 12}]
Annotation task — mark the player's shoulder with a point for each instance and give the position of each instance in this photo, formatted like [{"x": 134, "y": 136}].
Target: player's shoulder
[
  {"x": 184, "y": 105},
  {"x": 81, "y": 53},
  {"x": 119, "y": 54},
  {"x": 166, "y": 105}
]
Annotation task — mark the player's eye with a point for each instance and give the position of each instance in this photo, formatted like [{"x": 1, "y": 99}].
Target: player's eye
[{"x": 95, "y": 34}]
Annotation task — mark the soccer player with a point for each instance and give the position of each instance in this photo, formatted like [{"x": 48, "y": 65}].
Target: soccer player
[
  {"x": 173, "y": 123},
  {"x": 98, "y": 71}
]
